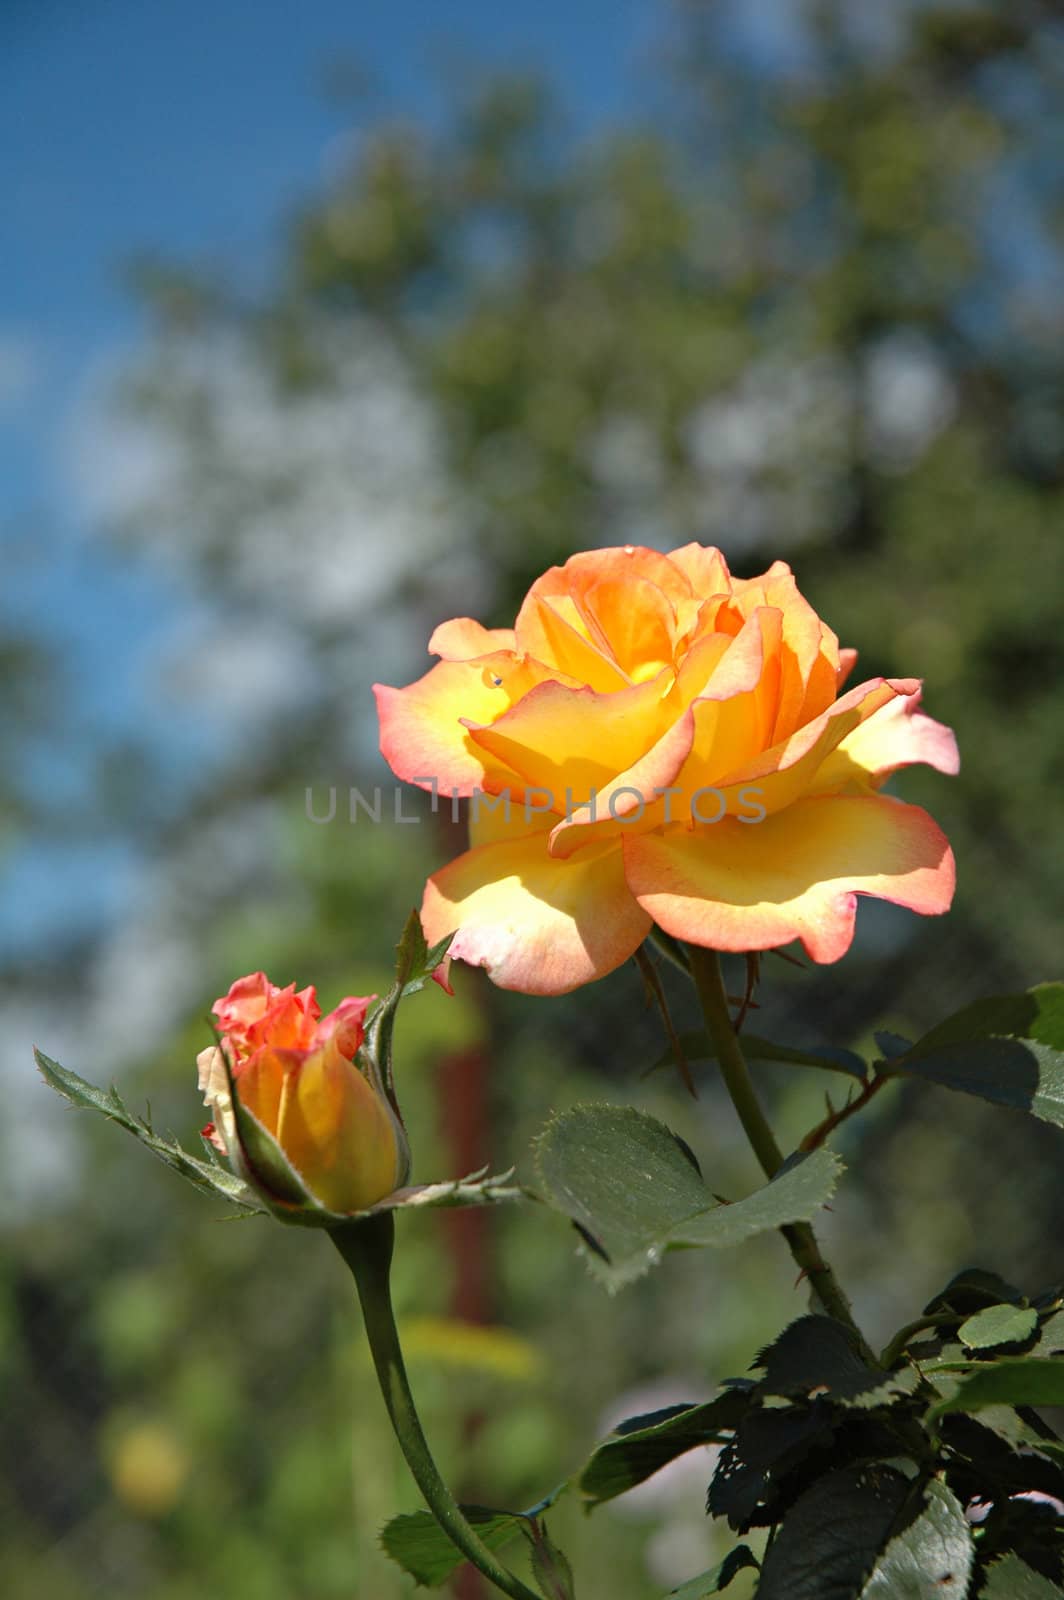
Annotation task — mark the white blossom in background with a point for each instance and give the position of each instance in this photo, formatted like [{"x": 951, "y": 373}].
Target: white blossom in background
[
  {"x": 771, "y": 454},
  {"x": 908, "y": 399}
]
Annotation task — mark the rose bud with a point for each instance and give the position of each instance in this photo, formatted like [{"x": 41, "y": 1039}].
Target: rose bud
[{"x": 298, "y": 1116}]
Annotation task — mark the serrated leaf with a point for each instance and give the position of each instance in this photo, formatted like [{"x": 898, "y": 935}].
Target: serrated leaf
[
  {"x": 208, "y": 1176},
  {"x": 932, "y": 1559},
  {"x": 828, "y": 1542},
  {"x": 698, "y": 1046},
  {"x": 1012, "y": 1579},
  {"x": 769, "y": 1443},
  {"x": 1001, "y": 1324},
  {"x": 1010, "y": 1381},
  {"x": 634, "y": 1191},
  {"x": 418, "y": 1544},
  {"x": 814, "y": 1356},
  {"x": 1019, "y": 1074},
  {"x": 643, "y": 1445},
  {"x": 716, "y": 1581}
]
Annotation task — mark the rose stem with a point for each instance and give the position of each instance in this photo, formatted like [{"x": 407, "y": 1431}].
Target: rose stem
[
  {"x": 366, "y": 1247},
  {"x": 801, "y": 1240}
]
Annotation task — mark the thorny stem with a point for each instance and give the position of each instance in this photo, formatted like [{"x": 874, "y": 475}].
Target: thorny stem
[
  {"x": 366, "y": 1247},
  {"x": 801, "y": 1240},
  {"x": 823, "y": 1130}
]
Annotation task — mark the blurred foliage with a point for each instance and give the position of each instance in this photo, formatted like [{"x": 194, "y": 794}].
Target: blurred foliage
[{"x": 806, "y": 306}]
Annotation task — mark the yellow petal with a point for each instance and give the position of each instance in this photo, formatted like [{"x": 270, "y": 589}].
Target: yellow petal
[
  {"x": 737, "y": 886},
  {"x": 561, "y": 739},
  {"x": 462, "y": 639},
  {"x": 423, "y": 732},
  {"x": 337, "y": 1133},
  {"x": 536, "y": 924}
]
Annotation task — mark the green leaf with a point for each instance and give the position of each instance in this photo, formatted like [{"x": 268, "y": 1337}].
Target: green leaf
[
  {"x": 1001, "y": 1324},
  {"x": 1012, "y": 1579},
  {"x": 710, "y": 1583},
  {"x": 892, "y": 1044},
  {"x": 634, "y": 1190},
  {"x": 1010, "y": 1381},
  {"x": 1036, "y": 1014},
  {"x": 643, "y": 1445},
  {"x": 698, "y": 1046},
  {"x": 829, "y": 1540},
  {"x": 931, "y": 1560},
  {"x": 1019, "y": 1074},
  {"x": 814, "y": 1352},
  {"x": 419, "y": 1545},
  {"x": 1051, "y": 1338},
  {"x": 209, "y": 1176},
  {"x": 1008, "y": 1049},
  {"x": 970, "y": 1291}
]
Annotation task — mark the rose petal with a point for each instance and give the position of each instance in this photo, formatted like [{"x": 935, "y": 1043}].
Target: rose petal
[
  {"x": 462, "y": 639},
  {"x": 737, "y": 886},
  {"x": 561, "y": 739},
  {"x": 897, "y": 735},
  {"x": 423, "y": 735},
  {"x": 537, "y": 925}
]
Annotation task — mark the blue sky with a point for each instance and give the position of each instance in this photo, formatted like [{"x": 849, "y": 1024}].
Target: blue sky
[{"x": 188, "y": 128}]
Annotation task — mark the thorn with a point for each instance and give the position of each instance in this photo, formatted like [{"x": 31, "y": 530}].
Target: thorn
[{"x": 791, "y": 960}]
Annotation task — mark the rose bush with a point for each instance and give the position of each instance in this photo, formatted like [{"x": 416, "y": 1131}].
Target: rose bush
[
  {"x": 321, "y": 1132},
  {"x": 656, "y": 741}
]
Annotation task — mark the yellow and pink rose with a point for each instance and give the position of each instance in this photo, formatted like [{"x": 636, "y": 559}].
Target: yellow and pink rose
[{"x": 656, "y": 741}]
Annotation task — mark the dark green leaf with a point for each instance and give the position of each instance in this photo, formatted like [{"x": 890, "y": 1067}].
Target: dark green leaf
[
  {"x": 1001, "y": 1324},
  {"x": 420, "y": 1546},
  {"x": 768, "y": 1444},
  {"x": 714, "y": 1582},
  {"x": 1020, "y": 1074},
  {"x": 970, "y": 1291},
  {"x": 633, "y": 1191},
  {"x": 892, "y": 1044},
  {"x": 828, "y": 1542},
  {"x": 1012, "y": 1579},
  {"x": 815, "y": 1356},
  {"x": 1051, "y": 1338},
  {"x": 1036, "y": 1014},
  {"x": 698, "y": 1046},
  {"x": 636, "y": 1452},
  {"x": 1011, "y": 1381},
  {"x": 931, "y": 1560},
  {"x": 209, "y": 1176}
]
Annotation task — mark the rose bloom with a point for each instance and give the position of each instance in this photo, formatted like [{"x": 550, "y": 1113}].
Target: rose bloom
[
  {"x": 294, "y": 1072},
  {"x": 675, "y": 750}
]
